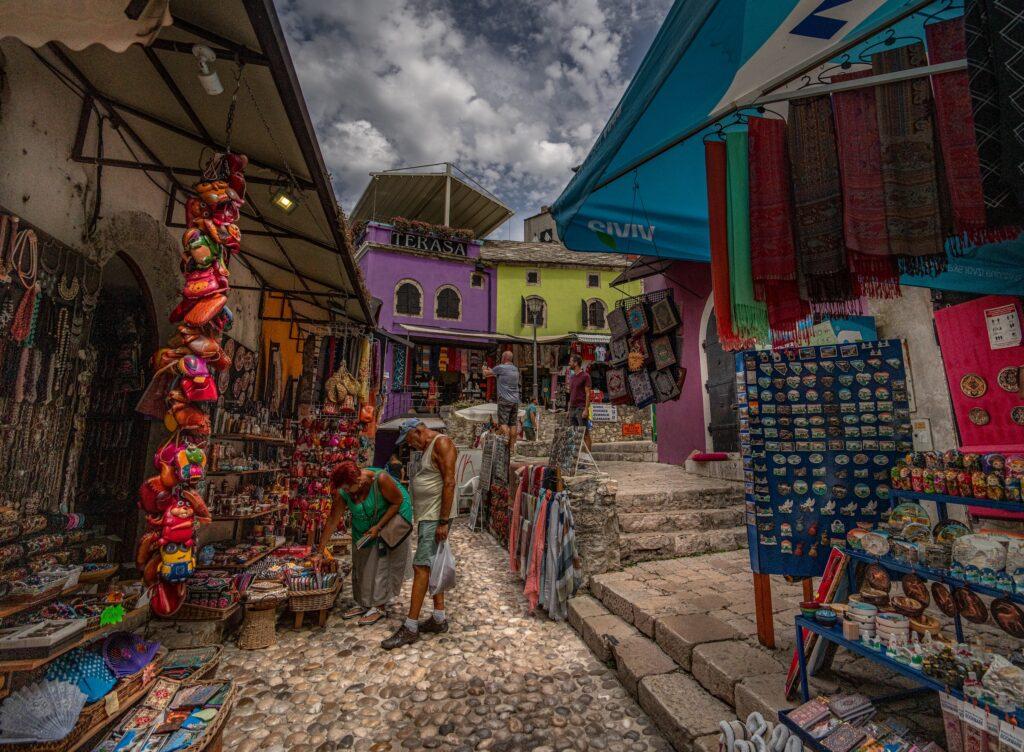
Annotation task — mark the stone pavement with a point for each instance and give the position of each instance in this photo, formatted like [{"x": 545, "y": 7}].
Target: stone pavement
[
  {"x": 682, "y": 635},
  {"x": 500, "y": 680}
]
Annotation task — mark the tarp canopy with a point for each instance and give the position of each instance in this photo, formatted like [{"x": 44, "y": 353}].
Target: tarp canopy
[
  {"x": 642, "y": 188},
  {"x": 150, "y": 96}
]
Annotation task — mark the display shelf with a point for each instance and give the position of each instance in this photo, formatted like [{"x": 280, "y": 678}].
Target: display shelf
[
  {"x": 244, "y": 565},
  {"x": 254, "y": 471},
  {"x": 933, "y": 575},
  {"x": 1006, "y": 506},
  {"x": 10, "y": 609},
  {"x": 251, "y": 437},
  {"x": 31, "y": 664},
  {"x": 253, "y": 516},
  {"x": 835, "y": 635}
]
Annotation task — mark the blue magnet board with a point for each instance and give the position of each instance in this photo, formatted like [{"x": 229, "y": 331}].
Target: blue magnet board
[{"x": 820, "y": 430}]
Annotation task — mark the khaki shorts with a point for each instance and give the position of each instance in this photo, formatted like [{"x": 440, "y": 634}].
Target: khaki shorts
[{"x": 426, "y": 543}]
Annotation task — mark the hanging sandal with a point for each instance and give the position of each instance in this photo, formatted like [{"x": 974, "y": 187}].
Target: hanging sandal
[
  {"x": 372, "y": 616},
  {"x": 353, "y": 612}
]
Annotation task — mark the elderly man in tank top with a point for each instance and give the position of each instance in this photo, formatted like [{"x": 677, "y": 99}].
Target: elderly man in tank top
[{"x": 433, "y": 493}]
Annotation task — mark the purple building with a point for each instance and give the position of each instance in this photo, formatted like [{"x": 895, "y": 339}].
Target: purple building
[{"x": 435, "y": 293}]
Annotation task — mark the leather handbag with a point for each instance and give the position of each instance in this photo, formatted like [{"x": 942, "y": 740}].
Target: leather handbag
[{"x": 395, "y": 531}]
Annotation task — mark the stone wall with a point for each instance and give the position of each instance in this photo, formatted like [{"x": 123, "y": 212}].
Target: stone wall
[
  {"x": 602, "y": 432},
  {"x": 462, "y": 432},
  {"x": 592, "y": 500}
]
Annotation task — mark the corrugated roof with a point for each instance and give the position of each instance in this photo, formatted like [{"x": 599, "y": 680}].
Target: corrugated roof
[{"x": 551, "y": 254}]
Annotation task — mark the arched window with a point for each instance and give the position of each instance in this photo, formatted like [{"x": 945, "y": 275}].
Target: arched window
[
  {"x": 448, "y": 304},
  {"x": 408, "y": 298},
  {"x": 594, "y": 313},
  {"x": 534, "y": 311}
]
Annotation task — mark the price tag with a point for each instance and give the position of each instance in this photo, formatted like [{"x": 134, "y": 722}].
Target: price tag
[
  {"x": 949, "y": 704},
  {"x": 111, "y": 704},
  {"x": 1003, "y": 325},
  {"x": 1011, "y": 737},
  {"x": 972, "y": 715}
]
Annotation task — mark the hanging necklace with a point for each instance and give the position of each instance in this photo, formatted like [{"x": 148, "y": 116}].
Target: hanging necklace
[
  {"x": 26, "y": 239},
  {"x": 68, "y": 290},
  {"x": 90, "y": 297},
  {"x": 8, "y": 232},
  {"x": 48, "y": 276}
]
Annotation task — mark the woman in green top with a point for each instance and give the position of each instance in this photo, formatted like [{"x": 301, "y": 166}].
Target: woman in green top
[{"x": 373, "y": 497}]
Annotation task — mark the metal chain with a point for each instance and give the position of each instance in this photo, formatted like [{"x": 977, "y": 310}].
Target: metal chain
[
  {"x": 270, "y": 132},
  {"x": 230, "y": 126}
]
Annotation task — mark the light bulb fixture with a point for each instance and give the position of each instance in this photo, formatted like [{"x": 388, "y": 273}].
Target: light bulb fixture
[
  {"x": 207, "y": 75},
  {"x": 285, "y": 200}
]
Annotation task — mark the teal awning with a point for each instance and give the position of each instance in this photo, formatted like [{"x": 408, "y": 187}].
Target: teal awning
[{"x": 642, "y": 189}]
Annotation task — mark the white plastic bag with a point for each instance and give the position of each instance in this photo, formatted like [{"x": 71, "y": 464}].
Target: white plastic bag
[{"x": 442, "y": 570}]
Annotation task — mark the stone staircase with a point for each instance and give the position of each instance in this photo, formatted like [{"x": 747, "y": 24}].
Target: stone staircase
[
  {"x": 665, "y": 512},
  {"x": 625, "y": 451}
]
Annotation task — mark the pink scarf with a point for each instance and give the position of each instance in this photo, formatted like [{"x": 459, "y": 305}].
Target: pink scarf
[
  {"x": 540, "y": 534},
  {"x": 513, "y": 532}
]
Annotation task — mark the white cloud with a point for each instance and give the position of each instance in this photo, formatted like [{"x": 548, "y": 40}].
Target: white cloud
[{"x": 514, "y": 93}]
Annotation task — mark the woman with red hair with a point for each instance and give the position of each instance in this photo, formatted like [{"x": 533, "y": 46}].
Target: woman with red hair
[{"x": 378, "y": 569}]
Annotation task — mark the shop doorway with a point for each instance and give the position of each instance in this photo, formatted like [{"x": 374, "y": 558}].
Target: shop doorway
[
  {"x": 723, "y": 425},
  {"x": 114, "y": 454}
]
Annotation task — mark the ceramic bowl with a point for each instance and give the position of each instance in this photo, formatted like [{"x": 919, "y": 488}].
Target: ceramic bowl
[
  {"x": 825, "y": 616},
  {"x": 907, "y": 606},
  {"x": 924, "y": 624},
  {"x": 807, "y": 608}
]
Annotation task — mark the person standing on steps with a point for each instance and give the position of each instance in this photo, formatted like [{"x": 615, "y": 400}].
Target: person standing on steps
[
  {"x": 433, "y": 493},
  {"x": 579, "y": 396},
  {"x": 507, "y": 375}
]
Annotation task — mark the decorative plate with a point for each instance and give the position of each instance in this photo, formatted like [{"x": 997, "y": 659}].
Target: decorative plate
[
  {"x": 1017, "y": 415},
  {"x": 948, "y": 531},
  {"x": 944, "y": 599},
  {"x": 970, "y": 606},
  {"x": 876, "y": 577},
  {"x": 978, "y": 416},
  {"x": 1009, "y": 379},
  {"x": 914, "y": 587},
  {"x": 973, "y": 385},
  {"x": 1009, "y": 617}
]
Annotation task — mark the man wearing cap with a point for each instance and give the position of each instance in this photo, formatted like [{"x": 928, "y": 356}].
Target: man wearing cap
[
  {"x": 433, "y": 493},
  {"x": 507, "y": 375}
]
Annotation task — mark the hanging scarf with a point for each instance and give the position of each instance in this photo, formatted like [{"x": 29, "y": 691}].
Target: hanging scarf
[
  {"x": 749, "y": 315},
  {"x": 516, "y": 519},
  {"x": 912, "y": 210},
  {"x": 773, "y": 251},
  {"x": 860, "y": 169},
  {"x": 817, "y": 196},
  {"x": 995, "y": 67},
  {"x": 718, "y": 226}
]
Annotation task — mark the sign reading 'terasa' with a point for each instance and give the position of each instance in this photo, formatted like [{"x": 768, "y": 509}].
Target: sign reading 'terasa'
[{"x": 427, "y": 243}]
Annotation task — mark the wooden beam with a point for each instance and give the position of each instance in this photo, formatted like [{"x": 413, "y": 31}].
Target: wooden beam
[{"x": 763, "y": 610}]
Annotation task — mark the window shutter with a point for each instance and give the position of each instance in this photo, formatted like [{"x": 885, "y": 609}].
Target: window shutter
[
  {"x": 584, "y": 317},
  {"x": 522, "y": 310}
]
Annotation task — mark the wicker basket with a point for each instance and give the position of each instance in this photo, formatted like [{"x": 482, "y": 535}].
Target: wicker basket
[
  {"x": 98, "y": 575},
  {"x": 258, "y": 629},
  {"x": 313, "y": 600},
  {"x": 127, "y": 687},
  {"x": 208, "y": 670},
  {"x": 212, "y": 731},
  {"x": 195, "y": 612}
]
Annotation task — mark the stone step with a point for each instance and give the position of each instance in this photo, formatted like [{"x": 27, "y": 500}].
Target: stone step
[
  {"x": 709, "y": 495},
  {"x": 639, "y": 547},
  {"x": 641, "y": 447},
  {"x": 602, "y": 456},
  {"x": 677, "y": 521}
]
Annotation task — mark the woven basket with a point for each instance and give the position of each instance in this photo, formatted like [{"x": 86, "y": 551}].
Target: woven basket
[
  {"x": 98, "y": 575},
  {"x": 208, "y": 670},
  {"x": 314, "y": 600},
  {"x": 93, "y": 717},
  {"x": 195, "y": 612},
  {"x": 213, "y": 730},
  {"x": 258, "y": 629}
]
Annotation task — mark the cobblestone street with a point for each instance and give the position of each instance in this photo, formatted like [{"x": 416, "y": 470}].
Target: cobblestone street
[{"x": 499, "y": 680}]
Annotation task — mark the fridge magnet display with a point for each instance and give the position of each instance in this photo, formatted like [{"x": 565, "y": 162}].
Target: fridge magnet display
[{"x": 821, "y": 428}]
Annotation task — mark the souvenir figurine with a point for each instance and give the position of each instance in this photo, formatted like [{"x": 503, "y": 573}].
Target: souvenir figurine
[
  {"x": 995, "y": 487},
  {"x": 952, "y": 483},
  {"x": 979, "y": 484},
  {"x": 917, "y": 479}
]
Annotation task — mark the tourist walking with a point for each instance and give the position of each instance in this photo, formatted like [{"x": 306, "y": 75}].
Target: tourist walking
[
  {"x": 507, "y": 376},
  {"x": 433, "y": 493},
  {"x": 579, "y": 396},
  {"x": 531, "y": 421},
  {"x": 374, "y": 497}
]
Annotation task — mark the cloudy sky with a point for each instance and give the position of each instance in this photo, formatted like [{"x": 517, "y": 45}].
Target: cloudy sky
[{"x": 513, "y": 92}]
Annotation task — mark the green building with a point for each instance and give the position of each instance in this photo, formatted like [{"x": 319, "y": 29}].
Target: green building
[{"x": 573, "y": 291}]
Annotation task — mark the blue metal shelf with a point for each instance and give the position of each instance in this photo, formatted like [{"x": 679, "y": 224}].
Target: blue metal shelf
[
  {"x": 835, "y": 635},
  {"x": 1007, "y": 506},
  {"x": 934, "y": 575}
]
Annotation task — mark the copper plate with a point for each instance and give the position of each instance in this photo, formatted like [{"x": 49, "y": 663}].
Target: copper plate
[
  {"x": 1009, "y": 379},
  {"x": 973, "y": 385},
  {"x": 978, "y": 416},
  {"x": 944, "y": 598},
  {"x": 876, "y": 576},
  {"x": 970, "y": 606},
  {"x": 1017, "y": 415},
  {"x": 914, "y": 587},
  {"x": 1009, "y": 617}
]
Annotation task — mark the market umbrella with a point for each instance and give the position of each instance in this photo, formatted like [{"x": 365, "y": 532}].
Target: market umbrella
[
  {"x": 482, "y": 413},
  {"x": 642, "y": 188}
]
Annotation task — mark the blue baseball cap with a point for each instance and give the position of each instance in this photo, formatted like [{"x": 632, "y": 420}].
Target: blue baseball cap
[{"x": 408, "y": 424}]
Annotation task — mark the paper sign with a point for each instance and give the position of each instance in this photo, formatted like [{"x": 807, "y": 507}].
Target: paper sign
[
  {"x": 111, "y": 704},
  {"x": 949, "y": 704},
  {"x": 1011, "y": 737},
  {"x": 602, "y": 413},
  {"x": 1003, "y": 326},
  {"x": 972, "y": 715},
  {"x": 922, "y": 434},
  {"x": 632, "y": 429}
]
